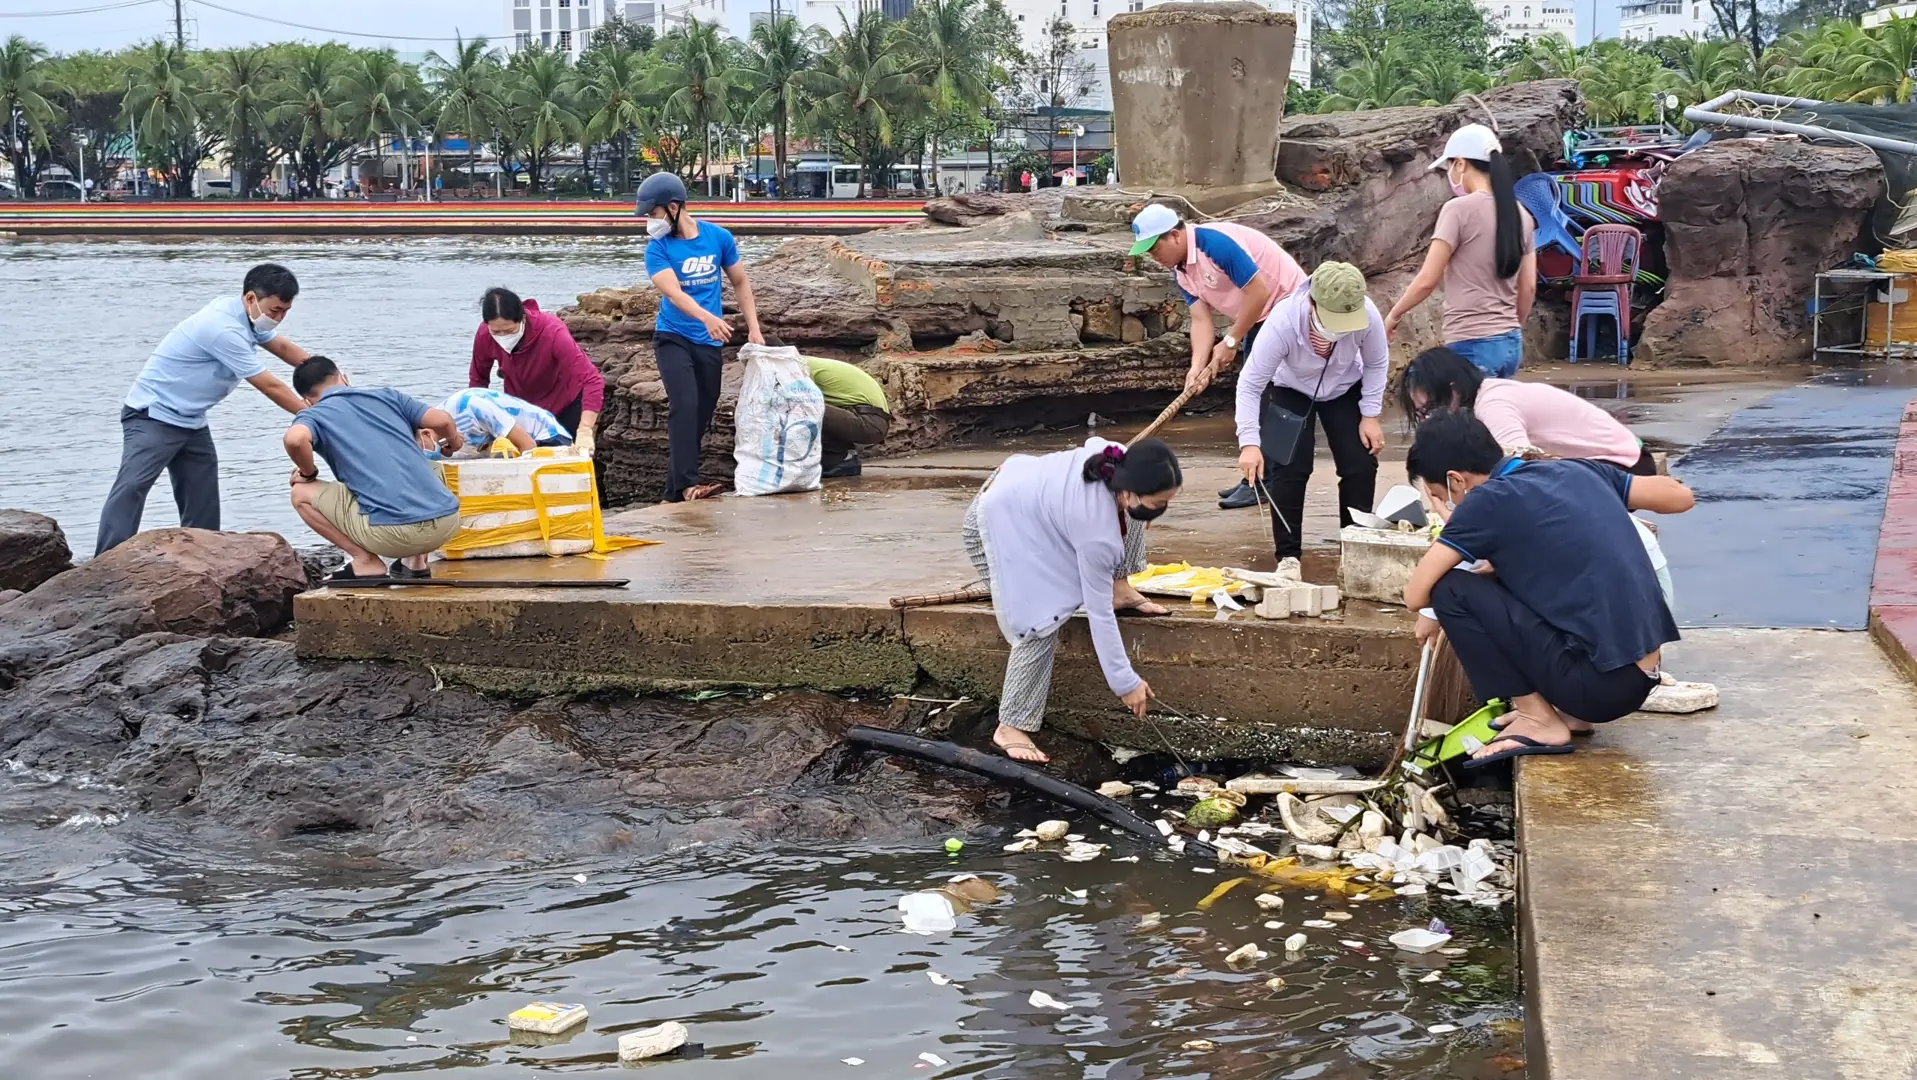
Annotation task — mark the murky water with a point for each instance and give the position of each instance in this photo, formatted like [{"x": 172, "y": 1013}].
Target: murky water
[{"x": 80, "y": 319}]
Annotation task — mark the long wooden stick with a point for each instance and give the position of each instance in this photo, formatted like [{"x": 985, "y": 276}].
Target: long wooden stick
[
  {"x": 968, "y": 595},
  {"x": 1170, "y": 411}
]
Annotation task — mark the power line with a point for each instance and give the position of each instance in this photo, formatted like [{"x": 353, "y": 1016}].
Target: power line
[
  {"x": 323, "y": 29},
  {"x": 73, "y": 11}
]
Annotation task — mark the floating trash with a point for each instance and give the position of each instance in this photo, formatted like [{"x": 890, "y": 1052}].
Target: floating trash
[
  {"x": 1115, "y": 789},
  {"x": 1433, "y": 977},
  {"x": 1050, "y": 831},
  {"x": 1319, "y": 924},
  {"x": 939, "y": 980},
  {"x": 1276, "y": 982},
  {"x": 1201, "y": 1045},
  {"x": 853, "y": 1061},
  {"x": 1248, "y": 953},
  {"x": 1269, "y": 901},
  {"x": 1016, "y": 847},
  {"x": 1338, "y": 916},
  {"x": 546, "y": 1017},
  {"x": 1418, "y": 940},
  {"x": 653, "y": 1041},
  {"x": 1295, "y": 943},
  {"x": 933, "y": 1060},
  {"x": 1442, "y": 1029},
  {"x": 1042, "y": 1000},
  {"x": 1274, "y": 925}
]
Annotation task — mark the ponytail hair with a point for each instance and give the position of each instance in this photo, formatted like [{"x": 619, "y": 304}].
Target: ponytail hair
[
  {"x": 1145, "y": 468},
  {"x": 1509, "y": 246}
]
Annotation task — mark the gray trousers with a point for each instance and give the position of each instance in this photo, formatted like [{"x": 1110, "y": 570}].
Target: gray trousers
[
  {"x": 1028, "y": 671},
  {"x": 148, "y": 446}
]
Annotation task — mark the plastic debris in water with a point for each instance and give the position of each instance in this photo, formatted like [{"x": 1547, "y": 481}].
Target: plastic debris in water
[
  {"x": 1248, "y": 953},
  {"x": 1030, "y": 843},
  {"x": 1433, "y": 977},
  {"x": 939, "y": 980},
  {"x": 1050, "y": 831},
  {"x": 653, "y": 1041},
  {"x": 1274, "y": 925},
  {"x": 953, "y": 845},
  {"x": 1319, "y": 924},
  {"x": 853, "y": 1061},
  {"x": 1437, "y": 926},
  {"x": 933, "y": 1060},
  {"x": 1201, "y": 1045},
  {"x": 546, "y": 1017},
  {"x": 1215, "y": 895},
  {"x": 1338, "y": 916},
  {"x": 928, "y": 913},
  {"x": 1269, "y": 901},
  {"x": 1115, "y": 789},
  {"x": 580, "y": 878},
  {"x": 1295, "y": 943},
  {"x": 1442, "y": 1029},
  {"x": 1042, "y": 1000},
  {"x": 1078, "y": 894},
  {"x": 1418, "y": 940},
  {"x": 1276, "y": 982}
]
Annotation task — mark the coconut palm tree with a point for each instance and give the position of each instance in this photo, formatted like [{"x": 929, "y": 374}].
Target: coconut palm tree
[
  {"x": 541, "y": 108},
  {"x": 1705, "y": 69},
  {"x": 467, "y": 93},
  {"x": 860, "y": 84},
  {"x": 23, "y": 89},
  {"x": 1870, "y": 67},
  {"x": 1374, "y": 80},
  {"x": 239, "y": 96},
  {"x": 1620, "y": 84},
  {"x": 310, "y": 113},
  {"x": 1549, "y": 57},
  {"x": 1442, "y": 79},
  {"x": 952, "y": 62},
  {"x": 779, "y": 52},
  {"x": 164, "y": 106},
  {"x": 379, "y": 95},
  {"x": 696, "y": 74},
  {"x": 613, "y": 91}
]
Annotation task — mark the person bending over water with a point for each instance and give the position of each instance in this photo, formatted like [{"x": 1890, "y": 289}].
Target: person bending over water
[
  {"x": 1560, "y": 613},
  {"x": 538, "y": 362},
  {"x": 1056, "y": 533},
  {"x": 1520, "y": 415}
]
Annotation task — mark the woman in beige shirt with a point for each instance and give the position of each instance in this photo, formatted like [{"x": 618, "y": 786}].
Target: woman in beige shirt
[{"x": 1482, "y": 251}]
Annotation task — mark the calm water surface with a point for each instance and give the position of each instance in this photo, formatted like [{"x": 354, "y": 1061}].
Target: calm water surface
[
  {"x": 77, "y": 320},
  {"x": 128, "y": 952}
]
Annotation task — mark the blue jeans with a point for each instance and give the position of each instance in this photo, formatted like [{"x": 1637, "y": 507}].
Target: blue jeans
[{"x": 1498, "y": 357}]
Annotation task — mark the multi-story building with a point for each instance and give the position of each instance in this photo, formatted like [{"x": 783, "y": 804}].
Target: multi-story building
[
  {"x": 1526, "y": 20},
  {"x": 1648, "y": 20},
  {"x": 1878, "y": 16},
  {"x": 565, "y": 25}
]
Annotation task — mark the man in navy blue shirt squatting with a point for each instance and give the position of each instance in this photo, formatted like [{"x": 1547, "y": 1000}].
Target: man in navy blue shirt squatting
[
  {"x": 687, "y": 260},
  {"x": 1540, "y": 583}
]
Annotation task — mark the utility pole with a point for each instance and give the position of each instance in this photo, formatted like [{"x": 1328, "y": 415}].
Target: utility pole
[{"x": 179, "y": 24}]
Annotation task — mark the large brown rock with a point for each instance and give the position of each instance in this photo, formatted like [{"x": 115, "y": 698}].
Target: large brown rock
[
  {"x": 32, "y": 549},
  {"x": 1748, "y": 223},
  {"x": 185, "y": 581}
]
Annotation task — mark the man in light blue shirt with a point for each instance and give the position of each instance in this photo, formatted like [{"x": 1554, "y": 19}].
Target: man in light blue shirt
[
  {"x": 484, "y": 415},
  {"x": 163, "y": 423}
]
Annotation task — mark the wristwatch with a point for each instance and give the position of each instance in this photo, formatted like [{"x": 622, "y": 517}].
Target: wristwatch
[
  {"x": 1229, "y": 341},
  {"x": 314, "y": 475}
]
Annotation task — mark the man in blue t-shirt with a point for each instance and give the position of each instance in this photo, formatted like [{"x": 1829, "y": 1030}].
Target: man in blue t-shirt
[
  {"x": 385, "y": 499},
  {"x": 686, "y": 259},
  {"x": 1540, "y": 583},
  {"x": 163, "y": 422}
]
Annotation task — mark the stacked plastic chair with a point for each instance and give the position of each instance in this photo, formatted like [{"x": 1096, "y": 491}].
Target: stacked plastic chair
[
  {"x": 1602, "y": 287},
  {"x": 1538, "y": 193}
]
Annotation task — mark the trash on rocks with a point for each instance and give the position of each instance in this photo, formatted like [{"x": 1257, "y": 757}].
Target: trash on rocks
[
  {"x": 1196, "y": 785},
  {"x": 1115, "y": 789},
  {"x": 1079, "y": 851},
  {"x": 1371, "y": 830},
  {"x": 1433, "y": 977},
  {"x": 933, "y": 1060},
  {"x": 1050, "y": 831},
  {"x": 1201, "y": 1045},
  {"x": 1224, "y": 887},
  {"x": 1287, "y": 785},
  {"x": 1151, "y": 920},
  {"x": 1319, "y": 924},
  {"x": 546, "y": 1017},
  {"x": 653, "y": 1041},
  {"x": 1042, "y": 1000},
  {"x": 1418, "y": 940},
  {"x": 1269, "y": 901},
  {"x": 1442, "y": 1029},
  {"x": 1295, "y": 943},
  {"x": 1276, "y": 982},
  {"x": 1248, "y": 953},
  {"x": 1030, "y": 843},
  {"x": 1338, "y": 916},
  {"x": 1318, "y": 851}
]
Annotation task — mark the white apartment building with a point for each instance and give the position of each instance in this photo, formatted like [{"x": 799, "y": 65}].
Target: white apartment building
[
  {"x": 1648, "y": 20},
  {"x": 1877, "y": 17},
  {"x": 566, "y": 25},
  {"x": 1088, "y": 19},
  {"x": 1528, "y": 20}
]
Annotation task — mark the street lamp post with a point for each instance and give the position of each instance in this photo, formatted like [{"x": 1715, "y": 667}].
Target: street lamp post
[{"x": 82, "y": 160}]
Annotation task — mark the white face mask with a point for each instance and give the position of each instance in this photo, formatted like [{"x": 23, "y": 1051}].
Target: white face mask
[
  {"x": 658, "y": 228},
  {"x": 508, "y": 341},
  {"x": 1321, "y": 331},
  {"x": 264, "y": 323}
]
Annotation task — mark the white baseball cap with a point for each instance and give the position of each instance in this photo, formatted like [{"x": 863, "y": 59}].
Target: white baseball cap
[
  {"x": 1151, "y": 223},
  {"x": 1473, "y": 142}
]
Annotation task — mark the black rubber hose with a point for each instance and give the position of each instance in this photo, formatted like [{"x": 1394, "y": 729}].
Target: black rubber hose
[{"x": 1013, "y": 774}]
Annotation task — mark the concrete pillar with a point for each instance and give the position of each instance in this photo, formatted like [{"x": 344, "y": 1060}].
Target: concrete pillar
[{"x": 1198, "y": 91}]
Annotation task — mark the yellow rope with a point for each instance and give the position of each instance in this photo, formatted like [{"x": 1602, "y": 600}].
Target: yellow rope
[{"x": 569, "y": 525}]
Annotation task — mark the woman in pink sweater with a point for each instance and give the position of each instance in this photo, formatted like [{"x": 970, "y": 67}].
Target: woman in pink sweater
[
  {"x": 539, "y": 362},
  {"x": 1521, "y": 415}
]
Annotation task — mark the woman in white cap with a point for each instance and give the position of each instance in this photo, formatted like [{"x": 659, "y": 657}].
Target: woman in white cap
[
  {"x": 1322, "y": 354},
  {"x": 1482, "y": 251},
  {"x": 1221, "y": 267}
]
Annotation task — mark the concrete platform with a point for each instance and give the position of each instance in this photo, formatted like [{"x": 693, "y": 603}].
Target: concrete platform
[
  {"x": 793, "y": 591},
  {"x": 1731, "y": 894}
]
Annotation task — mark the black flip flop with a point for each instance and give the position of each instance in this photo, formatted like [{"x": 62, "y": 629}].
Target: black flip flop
[
  {"x": 401, "y": 572},
  {"x": 344, "y": 577},
  {"x": 1575, "y": 733},
  {"x": 1527, "y": 747},
  {"x": 1134, "y": 613}
]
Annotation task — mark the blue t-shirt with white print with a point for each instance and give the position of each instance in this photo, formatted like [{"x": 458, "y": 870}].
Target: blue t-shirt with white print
[{"x": 700, "y": 264}]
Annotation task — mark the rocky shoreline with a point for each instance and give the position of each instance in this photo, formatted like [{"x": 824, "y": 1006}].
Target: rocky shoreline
[{"x": 150, "y": 686}]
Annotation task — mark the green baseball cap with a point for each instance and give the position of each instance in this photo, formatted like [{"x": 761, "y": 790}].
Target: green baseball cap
[{"x": 1338, "y": 290}]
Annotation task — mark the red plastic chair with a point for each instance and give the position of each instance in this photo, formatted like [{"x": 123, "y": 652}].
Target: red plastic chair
[{"x": 1609, "y": 265}]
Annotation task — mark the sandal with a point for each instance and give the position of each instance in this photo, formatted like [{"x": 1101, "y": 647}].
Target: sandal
[
  {"x": 1031, "y": 754},
  {"x": 702, "y": 491},
  {"x": 400, "y": 572},
  {"x": 346, "y": 577},
  {"x": 1526, "y": 747}
]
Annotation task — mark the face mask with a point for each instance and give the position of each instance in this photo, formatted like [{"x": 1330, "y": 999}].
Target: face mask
[
  {"x": 264, "y": 323},
  {"x": 1142, "y": 512},
  {"x": 1457, "y": 189},
  {"x": 1450, "y": 504},
  {"x": 507, "y": 341},
  {"x": 1319, "y": 328},
  {"x": 658, "y": 228}
]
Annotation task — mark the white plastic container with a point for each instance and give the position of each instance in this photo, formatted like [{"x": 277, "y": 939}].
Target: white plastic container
[
  {"x": 546, "y": 1017},
  {"x": 513, "y": 479}
]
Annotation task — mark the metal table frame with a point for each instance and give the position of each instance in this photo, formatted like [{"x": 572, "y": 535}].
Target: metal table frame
[{"x": 1835, "y": 282}]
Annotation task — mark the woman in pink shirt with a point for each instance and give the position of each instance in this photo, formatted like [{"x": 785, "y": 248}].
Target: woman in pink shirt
[{"x": 1520, "y": 414}]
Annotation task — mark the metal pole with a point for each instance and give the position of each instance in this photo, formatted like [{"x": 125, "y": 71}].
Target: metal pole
[
  {"x": 179, "y": 25},
  {"x": 1707, "y": 114},
  {"x": 81, "y": 158}
]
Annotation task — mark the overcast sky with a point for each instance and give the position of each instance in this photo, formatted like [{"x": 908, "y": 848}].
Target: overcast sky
[{"x": 368, "y": 22}]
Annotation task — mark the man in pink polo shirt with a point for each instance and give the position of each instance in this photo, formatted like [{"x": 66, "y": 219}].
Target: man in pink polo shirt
[{"x": 1221, "y": 267}]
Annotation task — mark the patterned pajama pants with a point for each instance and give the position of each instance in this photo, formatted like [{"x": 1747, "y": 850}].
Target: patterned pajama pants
[{"x": 1028, "y": 672}]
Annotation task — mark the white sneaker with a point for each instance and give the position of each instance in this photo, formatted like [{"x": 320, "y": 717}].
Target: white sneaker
[{"x": 1288, "y": 568}]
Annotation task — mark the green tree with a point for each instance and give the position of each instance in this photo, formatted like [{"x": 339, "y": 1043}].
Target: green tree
[
  {"x": 1701, "y": 70},
  {"x": 776, "y": 57},
  {"x": 1843, "y": 62},
  {"x": 1547, "y": 57},
  {"x": 613, "y": 91},
  {"x": 953, "y": 63},
  {"x": 163, "y": 105},
  {"x": 309, "y": 113},
  {"x": 241, "y": 93},
  {"x": 860, "y": 85},
  {"x": 1420, "y": 28},
  {"x": 619, "y": 32},
  {"x": 541, "y": 108},
  {"x": 1374, "y": 80},
  {"x": 1621, "y": 84},
  {"x": 88, "y": 95},
  {"x": 696, "y": 75},
  {"x": 380, "y": 96},
  {"x": 24, "y": 86},
  {"x": 1441, "y": 80},
  {"x": 1300, "y": 100},
  {"x": 467, "y": 95}
]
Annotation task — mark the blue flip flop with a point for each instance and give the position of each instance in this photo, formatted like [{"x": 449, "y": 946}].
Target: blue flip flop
[
  {"x": 1527, "y": 747},
  {"x": 1501, "y": 724}
]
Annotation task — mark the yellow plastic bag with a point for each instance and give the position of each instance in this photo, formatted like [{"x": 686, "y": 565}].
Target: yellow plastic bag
[{"x": 1184, "y": 579}]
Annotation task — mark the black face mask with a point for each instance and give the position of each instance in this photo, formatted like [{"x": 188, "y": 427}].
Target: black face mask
[{"x": 1145, "y": 513}]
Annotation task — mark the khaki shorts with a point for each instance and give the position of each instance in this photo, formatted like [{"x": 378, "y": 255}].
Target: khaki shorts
[{"x": 336, "y": 504}]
